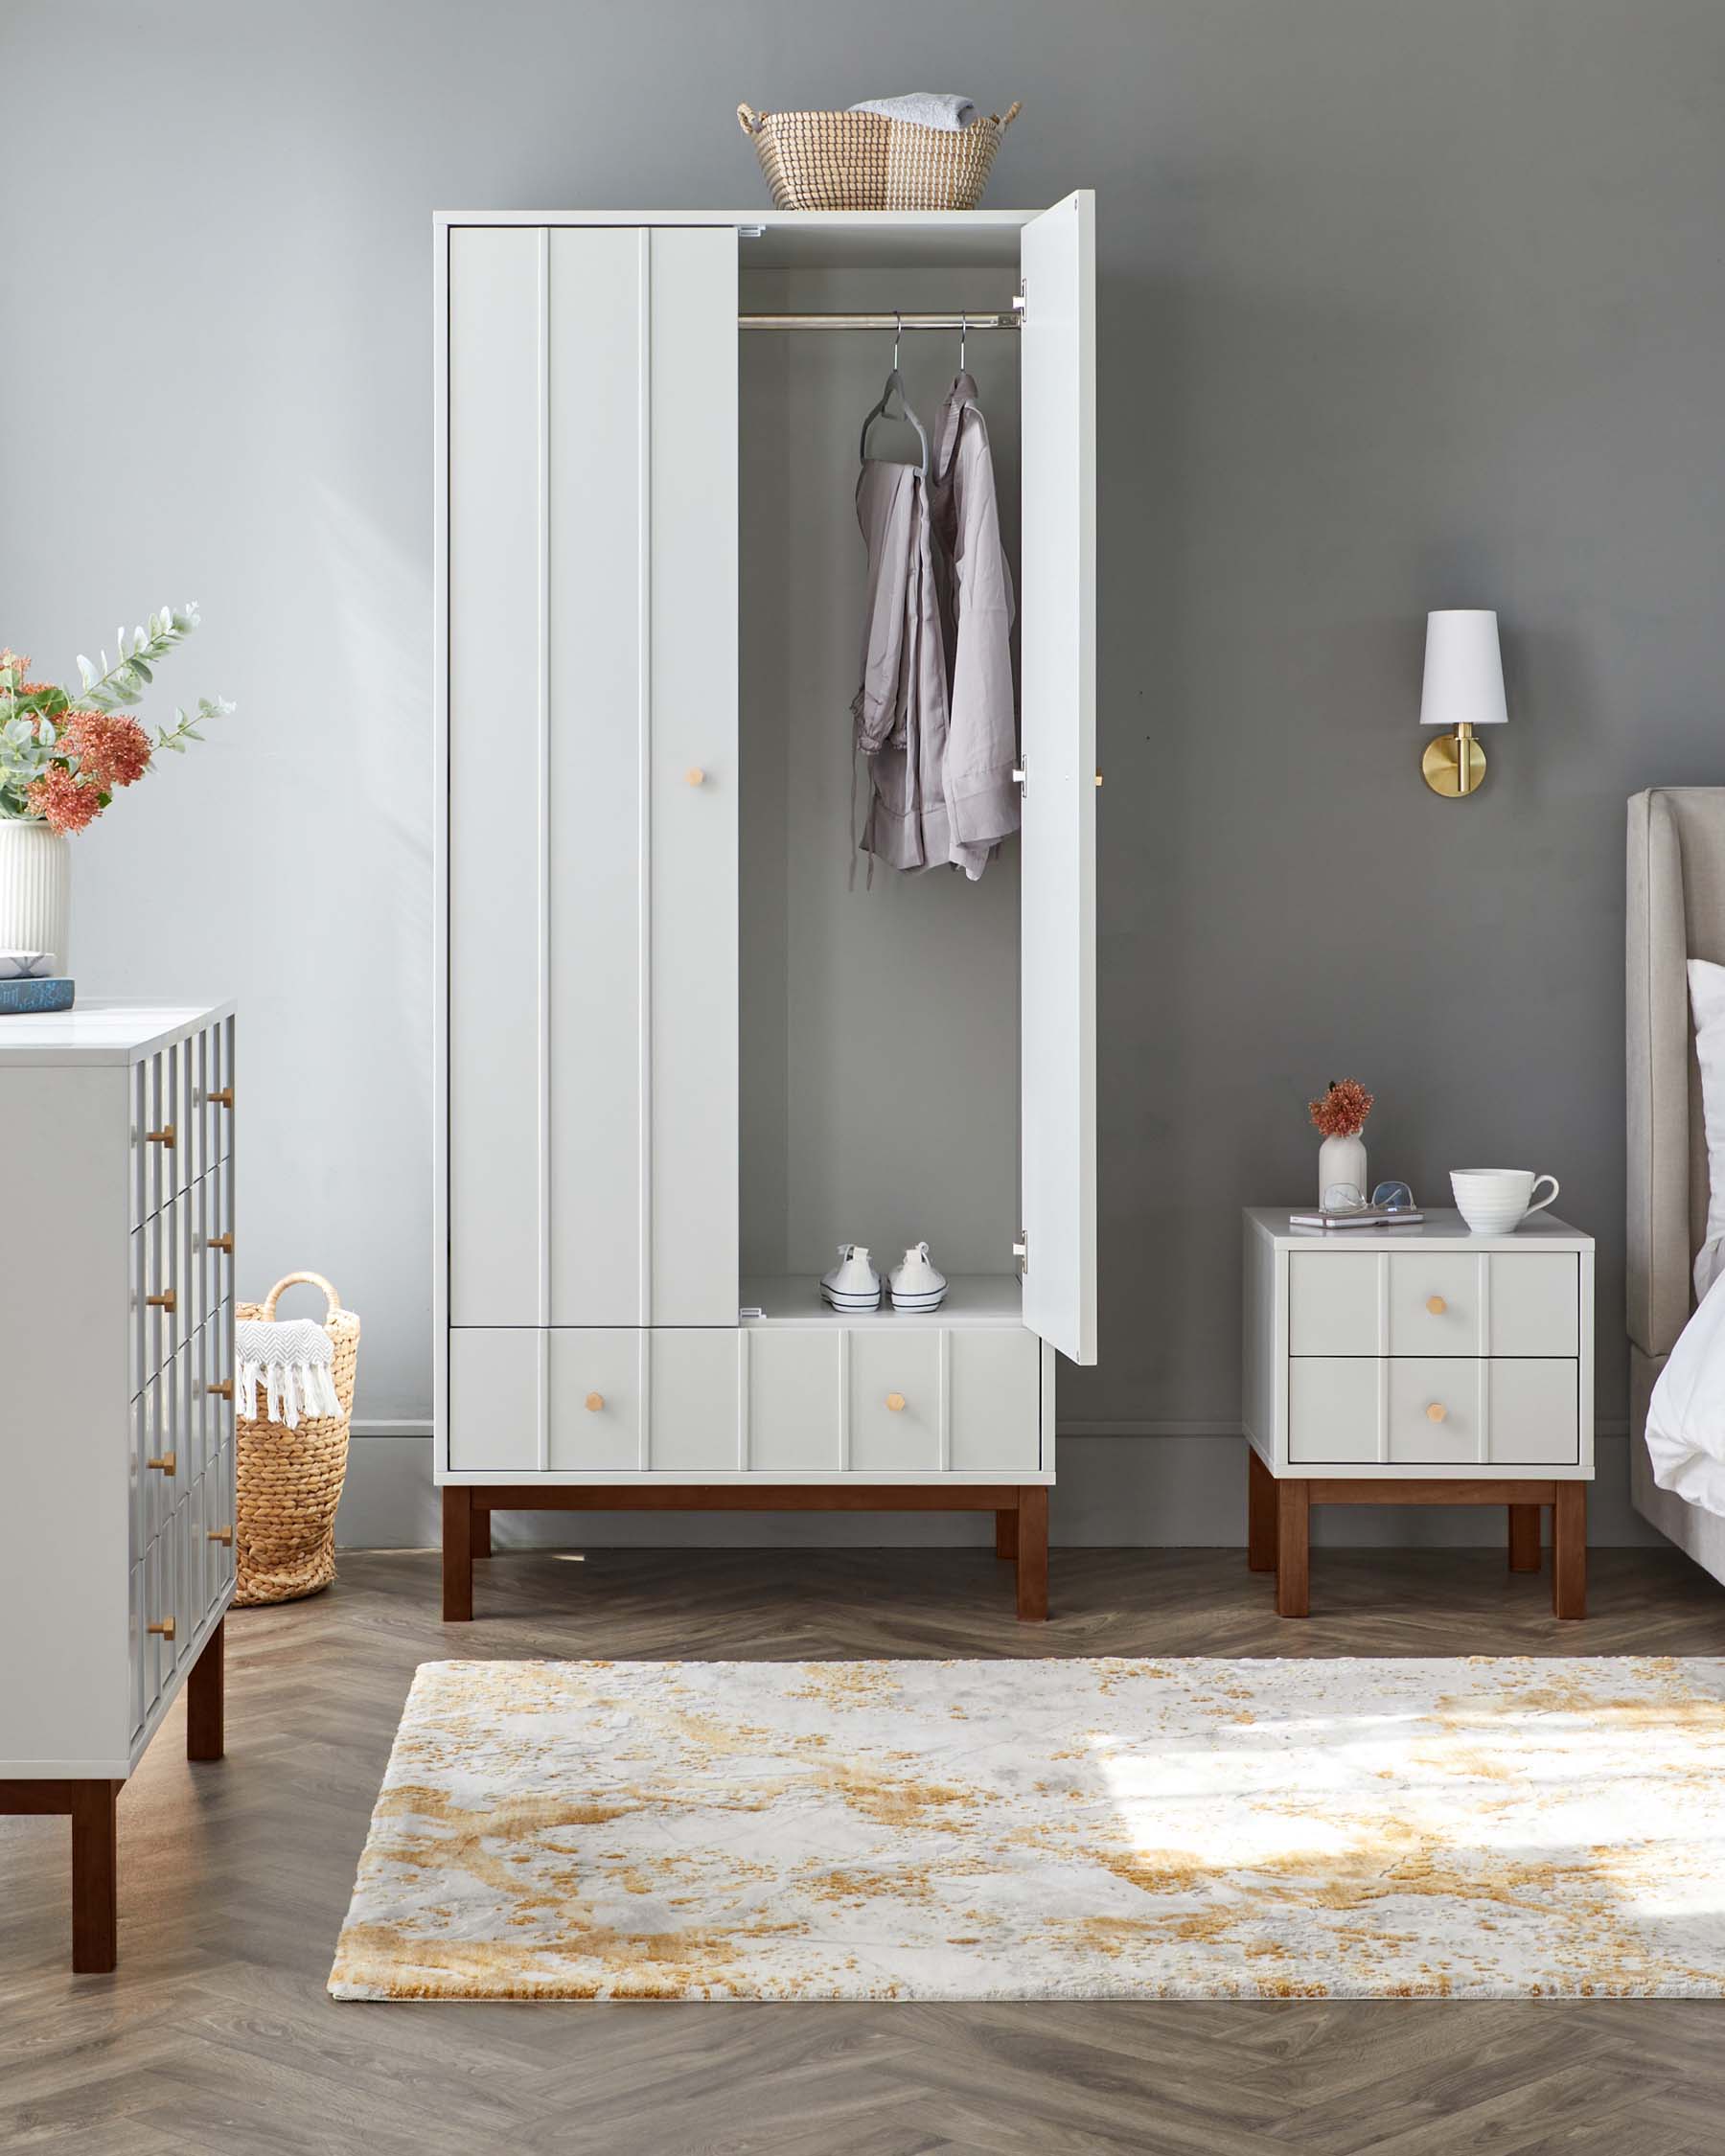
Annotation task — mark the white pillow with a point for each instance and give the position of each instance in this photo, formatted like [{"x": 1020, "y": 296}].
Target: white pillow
[{"x": 1706, "y": 1002}]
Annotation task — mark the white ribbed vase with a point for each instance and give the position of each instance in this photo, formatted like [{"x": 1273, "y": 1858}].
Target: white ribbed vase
[
  {"x": 36, "y": 890},
  {"x": 1342, "y": 1160}
]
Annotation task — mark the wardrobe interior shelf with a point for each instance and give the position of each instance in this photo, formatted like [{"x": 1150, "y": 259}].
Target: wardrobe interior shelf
[
  {"x": 881, "y": 239},
  {"x": 973, "y": 1300}
]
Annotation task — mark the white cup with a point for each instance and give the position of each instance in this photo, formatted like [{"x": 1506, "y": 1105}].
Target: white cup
[{"x": 1495, "y": 1201}]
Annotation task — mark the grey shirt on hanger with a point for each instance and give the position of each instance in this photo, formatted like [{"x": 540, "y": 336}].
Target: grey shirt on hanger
[
  {"x": 900, "y": 709},
  {"x": 975, "y": 590}
]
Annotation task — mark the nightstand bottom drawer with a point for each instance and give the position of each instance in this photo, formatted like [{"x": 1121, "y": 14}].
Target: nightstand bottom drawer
[{"x": 1433, "y": 1410}]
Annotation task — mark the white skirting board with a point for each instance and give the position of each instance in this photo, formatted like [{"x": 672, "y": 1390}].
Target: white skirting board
[{"x": 1181, "y": 1486}]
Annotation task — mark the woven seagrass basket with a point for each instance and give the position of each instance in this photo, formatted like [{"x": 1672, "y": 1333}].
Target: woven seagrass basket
[
  {"x": 290, "y": 1480},
  {"x": 869, "y": 161}
]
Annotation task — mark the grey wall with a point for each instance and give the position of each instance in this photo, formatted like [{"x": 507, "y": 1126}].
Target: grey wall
[{"x": 1402, "y": 305}]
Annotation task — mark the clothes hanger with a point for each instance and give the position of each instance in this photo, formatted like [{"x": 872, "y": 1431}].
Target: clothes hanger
[{"x": 896, "y": 381}]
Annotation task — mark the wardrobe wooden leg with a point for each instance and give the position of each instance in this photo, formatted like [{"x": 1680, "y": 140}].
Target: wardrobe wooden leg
[
  {"x": 458, "y": 1554},
  {"x": 481, "y": 1533},
  {"x": 1569, "y": 1550},
  {"x": 1033, "y": 1553},
  {"x": 1293, "y": 1551},
  {"x": 1260, "y": 1514},
  {"x": 1005, "y": 1534},
  {"x": 95, "y": 1877},
  {"x": 1524, "y": 1537},
  {"x": 204, "y": 1698}
]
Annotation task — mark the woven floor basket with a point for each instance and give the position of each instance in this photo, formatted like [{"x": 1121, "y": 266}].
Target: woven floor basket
[
  {"x": 290, "y": 1480},
  {"x": 866, "y": 161}
]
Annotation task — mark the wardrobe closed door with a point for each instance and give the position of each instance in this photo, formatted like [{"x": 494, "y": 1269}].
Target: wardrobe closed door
[
  {"x": 1058, "y": 841},
  {"x": 592, "y": 832}
]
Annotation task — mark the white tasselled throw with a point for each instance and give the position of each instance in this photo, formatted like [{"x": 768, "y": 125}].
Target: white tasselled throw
[{"x": 291, "y": 1360}]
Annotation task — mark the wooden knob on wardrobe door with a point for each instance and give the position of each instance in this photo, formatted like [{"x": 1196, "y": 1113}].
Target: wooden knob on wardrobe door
[
  {"x": 896, "y": 1402},
  {"x": 223, "y": 1242},
  {"x": 222, "y": 1535},
  {"x": 1437, "y": 1411},
  {"x": 165, "y": 1628},
  {"x": 695, "y": 776},
  {"x": 165, "y": 1464},
  {"x": 166, "y": 1301},
  {"x": 1436, "y": 1305},
  {"x": 594, "y": 1402}
]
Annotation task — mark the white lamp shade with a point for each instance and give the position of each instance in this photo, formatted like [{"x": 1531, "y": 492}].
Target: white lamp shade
[{"x": 1463, "y": 669}]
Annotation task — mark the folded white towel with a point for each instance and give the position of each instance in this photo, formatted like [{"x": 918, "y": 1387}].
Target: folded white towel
[
  {"x": 292, "y": 1358},
  {"x": 925, "y": 108}
]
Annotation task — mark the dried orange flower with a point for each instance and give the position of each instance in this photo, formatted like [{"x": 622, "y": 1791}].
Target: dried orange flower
[{"x": 1342, "y": 1111}]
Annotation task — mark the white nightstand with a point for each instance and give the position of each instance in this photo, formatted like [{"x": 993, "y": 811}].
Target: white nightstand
[{"x": 1418, "y": 1366}]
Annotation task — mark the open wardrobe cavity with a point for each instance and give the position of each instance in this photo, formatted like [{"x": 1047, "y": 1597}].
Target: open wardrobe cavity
[{"x": 690, "y": 1040}]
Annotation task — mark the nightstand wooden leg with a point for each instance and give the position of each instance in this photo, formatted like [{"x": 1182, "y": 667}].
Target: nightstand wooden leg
[
  {"x": 481, "y": 1533},
  {"x": 1569, "y": 1550},
  {"x": 458, "y": 1554},
  {"x": 204, "y": 1718},
  {"x": 95, "y": 1877},
  {"x": 1260, "y": 1514},
  {"x": 1005, "y": 1534},
  {"x": 1524, "y": 1537},
  {"x": 1032, "y": 1553},
  {"x": 1292, "y": 1559}
]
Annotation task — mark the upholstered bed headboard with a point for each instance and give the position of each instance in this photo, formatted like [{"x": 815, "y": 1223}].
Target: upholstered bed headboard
[{"x": 1676, "y": 912}]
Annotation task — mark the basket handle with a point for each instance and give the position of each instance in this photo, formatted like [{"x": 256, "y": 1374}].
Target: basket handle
[
  {"x": 313, "y": 1279},
  {"x": 1005, "y": 120},
  {"x": 750, "y": 120}
]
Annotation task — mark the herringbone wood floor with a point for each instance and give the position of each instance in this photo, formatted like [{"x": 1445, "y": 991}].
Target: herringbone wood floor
[{"x": 216, "y": 2033}]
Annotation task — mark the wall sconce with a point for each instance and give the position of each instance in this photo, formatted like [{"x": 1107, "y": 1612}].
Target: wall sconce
[{"x": 1463, "y": 689}]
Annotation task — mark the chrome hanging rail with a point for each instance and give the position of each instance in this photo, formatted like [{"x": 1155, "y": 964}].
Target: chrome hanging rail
[{"x": 960, "y": 321}]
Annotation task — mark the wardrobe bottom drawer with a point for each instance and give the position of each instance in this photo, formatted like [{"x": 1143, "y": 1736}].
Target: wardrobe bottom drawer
[
  {"x": 1433, "y": 1410},
  {"x": 593, "y": 1399}
]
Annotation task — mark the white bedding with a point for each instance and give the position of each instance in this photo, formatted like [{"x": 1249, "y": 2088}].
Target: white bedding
[{"x": 1686, "y": 1417}]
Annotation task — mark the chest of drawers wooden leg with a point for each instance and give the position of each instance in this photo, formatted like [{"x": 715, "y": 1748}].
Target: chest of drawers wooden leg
[{"x": 116, "y": 1337}]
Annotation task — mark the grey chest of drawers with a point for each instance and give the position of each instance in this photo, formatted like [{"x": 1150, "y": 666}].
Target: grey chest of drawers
[{"x": 116, "y": 1346}]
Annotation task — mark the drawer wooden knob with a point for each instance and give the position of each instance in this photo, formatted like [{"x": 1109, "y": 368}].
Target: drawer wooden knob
[
  {"x": 695, "y": 776},
  {"x": 222, "y": 1096},
  {"x": 165, "y": 1464},
  {"x": 163, "y": 1136},
  {"x": 595, "y": 1401},
  {"x": 165, "y": 1628},
  {"x": 164, "y": 1301},
  {"x": 896, "y": 1402},
  {"x": 1436, "y": 1305},
  {"x": 1437, "y": 1411},
  {"x": 222, "y": 1535},
  {"x": 223, "y": 1242},
  {"x": 223, "y": 1389}
]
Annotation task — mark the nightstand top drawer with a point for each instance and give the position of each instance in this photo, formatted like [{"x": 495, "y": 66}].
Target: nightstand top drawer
[{"x": 1434, "y": 1303}]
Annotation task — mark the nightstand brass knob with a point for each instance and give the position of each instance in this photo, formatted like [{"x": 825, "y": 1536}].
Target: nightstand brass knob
[
  {"x": 222, "y": 1096},
  {"x": 595, "y": 1401},
  {"x": 222, "y": 1535},
  {"x": 164, "y": 1301},
  {"x": 695, "y": 776},
  {"x": 223, "y": 1242},
  {"x": 223, "y": 1389},
  {"x": 896, "y": 1402},
  {"x": 165, "y": 1464},
  {"x": 1437, "y": 1411},
  {"x": 1436, "y": 1305},
  {"x": 163, "y": 1136},
  {"x": 165, "y": 1628}
]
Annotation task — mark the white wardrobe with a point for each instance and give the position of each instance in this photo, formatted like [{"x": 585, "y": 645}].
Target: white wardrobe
[{"x": 682, "y": 1052}]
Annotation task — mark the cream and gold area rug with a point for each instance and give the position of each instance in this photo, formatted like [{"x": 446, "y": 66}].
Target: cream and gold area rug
[{"x": 1190, "y": 1828}]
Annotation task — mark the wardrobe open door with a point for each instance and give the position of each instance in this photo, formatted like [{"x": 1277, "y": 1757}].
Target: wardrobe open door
[{"x": 1058, "y": 720}]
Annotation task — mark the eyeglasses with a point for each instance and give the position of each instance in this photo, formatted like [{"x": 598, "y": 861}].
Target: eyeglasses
[{"x": 1386, "y": 1198}]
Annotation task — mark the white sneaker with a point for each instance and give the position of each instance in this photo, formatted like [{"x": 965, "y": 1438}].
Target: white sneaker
[
  {"x": 853, "y": 1283},
  {"x": 917, "y": 1284}
]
